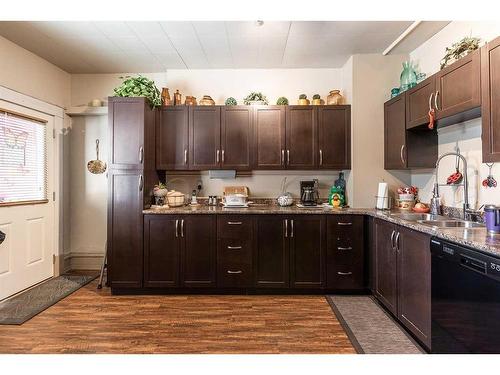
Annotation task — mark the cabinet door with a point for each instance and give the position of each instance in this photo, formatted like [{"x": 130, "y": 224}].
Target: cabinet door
[
  {"x": 236, "y": 137},
  {"x": 490, "y": 107},
  {"x": 385, "y": 265},
  {"x": 161, "y": 251},
  {"x": 345, "y": 252},
  {"x": 172, "y": 138},
  {"x": 459, "y": 86},
  {"x": 301, "y": 137},
  {"x": 198, "y": 253},
  {"x": 395, "y": 133},
  {"x": 334, "y": 131},
  {"x": 419, "y": 100},
  {"x": 204, "y": 134},
  {"x": 307, "y": 251},
  {"x": 126, "y": 129},
  {"x": 269, "y": 137},
  {"x": 125, "y": 224},
  {"x": 271, "y": 260},
  {"x": 414, "y": 282}
]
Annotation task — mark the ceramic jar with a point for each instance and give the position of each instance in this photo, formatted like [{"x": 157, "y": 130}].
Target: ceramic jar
[
  {"x": 207, "y": 100},
  {"x": 190, "y": 100},
  {"x": 334, "y": 98},
  {"x": 303, "y": 102}
]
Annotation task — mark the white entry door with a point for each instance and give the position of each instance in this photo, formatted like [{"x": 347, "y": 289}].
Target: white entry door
[{"x": 27, "y": 210}]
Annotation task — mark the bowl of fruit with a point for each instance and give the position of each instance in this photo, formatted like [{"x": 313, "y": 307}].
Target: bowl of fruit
[{"x": 421, "y": 208}]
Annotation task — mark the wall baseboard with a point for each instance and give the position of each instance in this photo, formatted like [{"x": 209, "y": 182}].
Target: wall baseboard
[{"x": 82, "y": 261}]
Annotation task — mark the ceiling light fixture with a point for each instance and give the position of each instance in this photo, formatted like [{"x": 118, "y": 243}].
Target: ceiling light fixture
[{"x": 259, "y": 23}]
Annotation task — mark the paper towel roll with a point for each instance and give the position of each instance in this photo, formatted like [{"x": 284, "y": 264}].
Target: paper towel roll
[{"x": 382, "y": 196}]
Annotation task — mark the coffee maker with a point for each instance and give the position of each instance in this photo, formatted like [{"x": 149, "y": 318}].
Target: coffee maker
[{"x": 309, "y": 192}]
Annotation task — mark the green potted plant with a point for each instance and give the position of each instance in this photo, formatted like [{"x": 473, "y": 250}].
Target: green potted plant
[
  {"x": 459, "y": 50},
  {"x": 282, "y": 101},
  {"x": 255, "y": 98},
  {"x": 316, "y": 99},
  {"x": 303, "y": 99},
  {"x": 139, "y": 87},
  {"x": 231, "y": 101}
]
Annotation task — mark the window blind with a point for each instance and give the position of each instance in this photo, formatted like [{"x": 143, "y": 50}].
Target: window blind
[{"x": 23, "y": 159}]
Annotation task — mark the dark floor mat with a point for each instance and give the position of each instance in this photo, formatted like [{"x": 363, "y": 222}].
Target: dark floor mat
[
  {"x": 369, "y": 328},
  {"x": 24, "y": 306}
]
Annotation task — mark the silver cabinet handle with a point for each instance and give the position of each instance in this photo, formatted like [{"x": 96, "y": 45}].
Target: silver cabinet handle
[
  {"x": 223, "y": 156},
  {"x": 217, "y": 156},
  {"x": 344, "y": 273},
  {"x": 141, "y": 154},
  {"x": 430, "y": 101},
  {"x": 344, "y": 224},
  {"x": 234, "y": 222},
  {"x": 291, "y": 228},
  {"x": 182, "y": 228},
  {"x": 392, "y": 239},
  {"x": 286, "y": 227},
  {"x": 233, "y": 272},
  {"x": 344, "y": 248},
  {"x": 234, "y": 247},
  {"x": 177, "y": 228},
  {"x": 141, "y": 182},
  {"x": 320, "y": 157},
  {"x": 401, "y": 154},
  {"x": 436, "y": 101},
  {"x": 185, "y": 156},
  {"x": 282, "y": 157},
  {"x": 397, "y": 241},
  {"x": 288, "y": 157}
]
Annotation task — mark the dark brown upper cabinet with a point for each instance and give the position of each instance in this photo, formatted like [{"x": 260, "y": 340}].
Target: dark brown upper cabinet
[
  {"x": 458, "y": 90},
  {"x": 334, "y": 137},
  {"x": 419, "y": 100},
  {"x": 204, "y": 137},
  {"x": 236, "y": 137},
  {"x": 269, "y": 137},
  {"x": 301, "y": 137},
  {"x": 490, "y": 107},
  {"x": 172, "y": 138},
  {"x": 131, "y": 130},
  {"x": 395, "y": 133}
]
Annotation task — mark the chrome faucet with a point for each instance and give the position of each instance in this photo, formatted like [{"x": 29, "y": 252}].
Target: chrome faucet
[{"x": 465, "y": 183}]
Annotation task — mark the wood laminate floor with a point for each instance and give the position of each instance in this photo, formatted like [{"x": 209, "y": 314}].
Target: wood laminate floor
[{"x": 92, "y": 321}]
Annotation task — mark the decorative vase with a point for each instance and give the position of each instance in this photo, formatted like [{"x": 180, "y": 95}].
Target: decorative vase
[
  {"x": 190, "y": 100},
  {"x": 334, "y": 98},
  {"x": 316, "y": 102},
  {"x": 207, "y": 100},
  {"x": 303, "y": 102},
  {"x": 165, "y": 96},
  {"x": 177, "y": 98},
  {"x": 408, "y": 77}
]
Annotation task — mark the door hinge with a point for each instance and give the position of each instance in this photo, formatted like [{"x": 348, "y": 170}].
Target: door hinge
[
  {"x": 53, "y": 195},
  {"x": 53, "y": 259},
  {"x": 54, "y": 133}
]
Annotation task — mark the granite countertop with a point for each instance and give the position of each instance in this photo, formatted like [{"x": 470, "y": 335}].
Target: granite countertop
[{"x": 476, "y": 238}]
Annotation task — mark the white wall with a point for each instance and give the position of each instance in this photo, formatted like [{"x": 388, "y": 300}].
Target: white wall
[{"x": 467, "y": 135}]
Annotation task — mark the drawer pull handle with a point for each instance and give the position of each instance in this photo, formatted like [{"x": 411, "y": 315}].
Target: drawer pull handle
[
  {"x": 234, "y": 272},
  {"x": 234, "y": 222},
  {"x": 341, "y": 223},
  {"x": 344, "y": 248},
  {"x": 234, "y": 247},
  {"x": 344, "y": 273}
]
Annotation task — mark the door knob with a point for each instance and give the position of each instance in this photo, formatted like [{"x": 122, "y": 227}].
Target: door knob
[{"x": 2, "y": 237}]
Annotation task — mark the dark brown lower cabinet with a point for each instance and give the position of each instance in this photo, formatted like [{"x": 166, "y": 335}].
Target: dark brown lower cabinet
[
  {"x": 386, "y": 265},
  {"x": 271, "y": 260},
  {"x": 414, "y": 283},
  {"x": 180, "y": 251},
  {"x": 307, "y": 239},
  {"x": 345, "y": 252},
  {"x": 402, "y": 276}
]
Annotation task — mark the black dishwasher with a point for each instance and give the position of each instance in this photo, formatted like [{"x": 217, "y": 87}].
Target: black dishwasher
[{"x": 465, "y": 300}]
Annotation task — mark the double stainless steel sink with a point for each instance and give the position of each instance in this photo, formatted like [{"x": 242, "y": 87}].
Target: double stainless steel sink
[{"x": 437, "y": 221}]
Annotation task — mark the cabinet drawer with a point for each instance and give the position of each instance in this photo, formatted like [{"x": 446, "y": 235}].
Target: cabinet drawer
[
  {"x": 234, "y": 275},
  {"x": 235, "y": 226},
  {"x": 234, "y": 251},
  {"x": 348, "y": 277},
  {"x": 346, "y": 228}
]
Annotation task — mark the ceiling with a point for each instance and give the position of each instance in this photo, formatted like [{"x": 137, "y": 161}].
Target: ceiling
[{"x": 116, "y": 47}]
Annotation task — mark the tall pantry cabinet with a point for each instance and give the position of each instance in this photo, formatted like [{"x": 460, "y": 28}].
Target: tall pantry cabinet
[{"x": 131, "y": 178}]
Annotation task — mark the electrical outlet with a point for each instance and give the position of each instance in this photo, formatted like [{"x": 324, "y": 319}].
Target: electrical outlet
[{"x": 199, "y": 185}]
